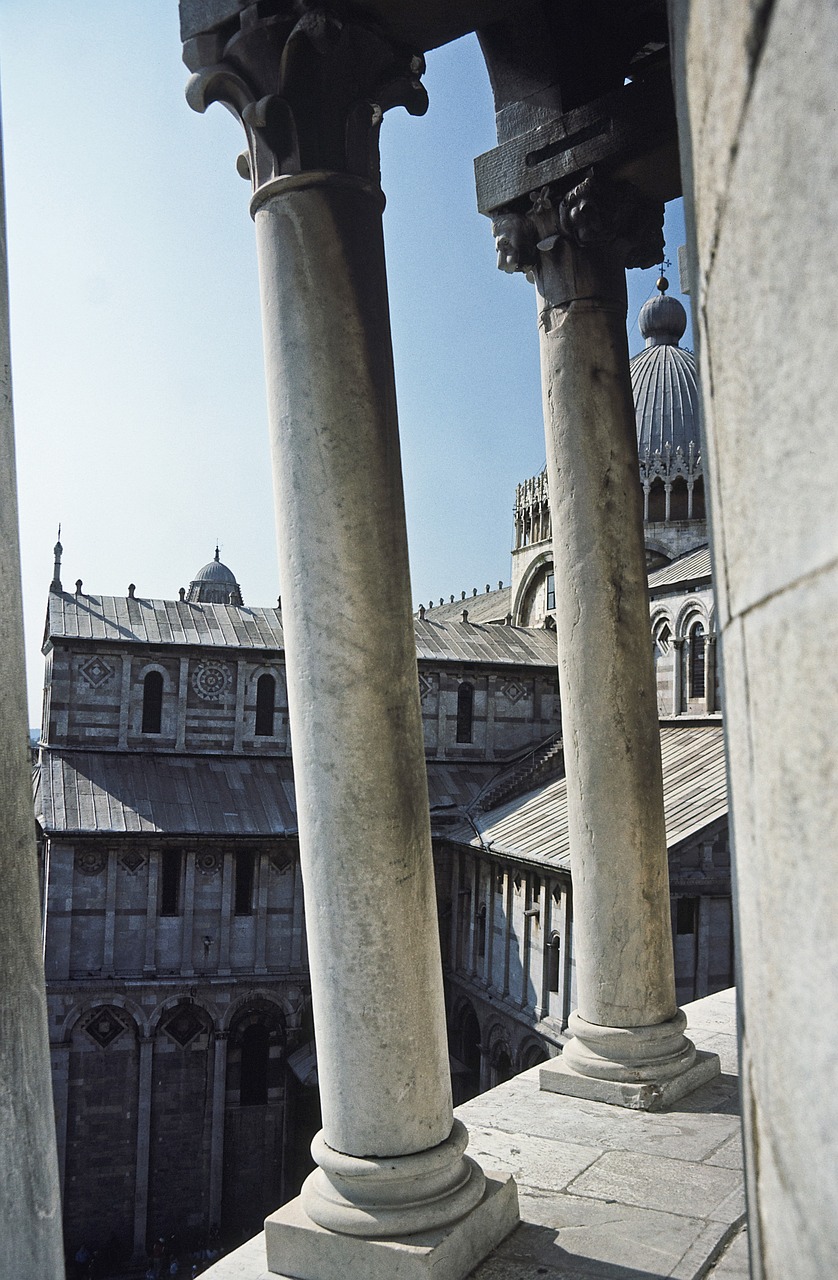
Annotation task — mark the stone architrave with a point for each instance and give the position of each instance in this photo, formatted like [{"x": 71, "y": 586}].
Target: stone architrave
[
  {"x": 629, "y": 1045},
  {"x": 393, "y": 1191}
]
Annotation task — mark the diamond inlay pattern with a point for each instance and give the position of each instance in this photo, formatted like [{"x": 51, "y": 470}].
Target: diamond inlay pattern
[
  {"x": 184, "y": 1025},
  {"x": 105, "y": 1027}
]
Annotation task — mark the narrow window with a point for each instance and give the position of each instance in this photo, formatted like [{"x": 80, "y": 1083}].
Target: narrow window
[
  {"x": 481, "y": 932},
  {"x": 657, "y": 501},
  {"x": 265, "y": 699},
  {"x": 699, "y": 509},
  {"x": 678, "y": 499},
  {"x": 553, "y": 963},
  {"x": 465, "y": 712},
  {"x": 244, "y": 882},
  {"x": 152, "y": 702},
  {"x": 170, "y": 882},
  {"x": 551, "y": 591},
  {"x": 254, "y": 1066},
  {"x": 697, "y": 661},
  {"x": 685, "y": 915}
]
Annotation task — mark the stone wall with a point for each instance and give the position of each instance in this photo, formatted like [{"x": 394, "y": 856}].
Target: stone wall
[
  {"x": 513, "y": 709},
  {"x": 756, "y": 105},
  {"x": 95, "y": 699}
]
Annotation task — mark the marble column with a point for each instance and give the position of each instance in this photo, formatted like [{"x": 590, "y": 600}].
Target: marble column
[
  {"x": 629, "y": 1046},
  {"x": 30, "y": 1209},
  {"x": 390, "y": 1156},
  {"x": 219, "y": 1094},
  {"x": 144, "y": 1091}
]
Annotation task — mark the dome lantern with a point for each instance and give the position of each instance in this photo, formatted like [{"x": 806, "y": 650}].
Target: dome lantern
[{"x": 214, "y": 584}]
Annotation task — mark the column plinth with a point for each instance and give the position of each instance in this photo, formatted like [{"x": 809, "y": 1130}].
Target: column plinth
[
  {"x": 629, "y": 1044},
  {"x": 390, "y": 1157}
]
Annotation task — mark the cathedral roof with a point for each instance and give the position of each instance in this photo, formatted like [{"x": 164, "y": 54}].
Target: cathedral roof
[
  {"x": 535, "y": 827},
  {"x": 664, "y": 381}
]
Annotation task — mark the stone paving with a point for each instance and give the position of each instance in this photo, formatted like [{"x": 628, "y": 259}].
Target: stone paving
[
  {"x": 607, "y": 1193},
  {"x": 613, "y": 1194}
]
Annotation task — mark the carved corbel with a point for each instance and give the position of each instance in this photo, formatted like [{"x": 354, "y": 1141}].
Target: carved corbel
[
  {"x": 310, "y": 89},
  {"x": 579, "y": 244}
]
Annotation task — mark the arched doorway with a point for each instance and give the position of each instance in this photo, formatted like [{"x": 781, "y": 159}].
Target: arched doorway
[{"x": 255, "y": 1121}]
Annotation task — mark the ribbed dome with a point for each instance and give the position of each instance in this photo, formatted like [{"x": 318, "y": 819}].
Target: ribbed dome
[
  {"x": 664, "y": 381},
  {"x": 214, "y": 584}
]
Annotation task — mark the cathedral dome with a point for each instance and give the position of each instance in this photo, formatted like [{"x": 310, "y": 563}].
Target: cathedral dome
[
  {"x": 214, "y": 584},
  {"x": 664, "y": 381}
]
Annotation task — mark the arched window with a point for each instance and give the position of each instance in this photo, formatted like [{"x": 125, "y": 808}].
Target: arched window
[
  {"x": 465, "y": 711},
  {"x": 551, "y": 590},
  {"x": 254, "y": 1066},
  {"x": 699, "y": 509},
  {"x": 245, "y": 866},
  {"x": 657, "y": 501},
  {"x": 697, "y": 644},
  {"x": 265, "y": 700},
  {"x": 481, "y": 931},
  {"x": 502, "y": 1067},
  {"x": 553, "y": 966},
  {"x": 678, "y": 499},
  {"x": 152, "y": 702}
]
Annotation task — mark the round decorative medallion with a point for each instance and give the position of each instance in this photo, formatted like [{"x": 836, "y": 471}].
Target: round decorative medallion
[
  {"x": 211, "y": 679},
  {"x": 209, "y": 864},
  {"x": 91, "y": 862}
]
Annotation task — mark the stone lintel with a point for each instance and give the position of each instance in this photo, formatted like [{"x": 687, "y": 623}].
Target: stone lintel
[
  {"x": 631, "y": 132},
  {"x": 557, "y": 1077},
  {"x": 298, "y": 1249}
]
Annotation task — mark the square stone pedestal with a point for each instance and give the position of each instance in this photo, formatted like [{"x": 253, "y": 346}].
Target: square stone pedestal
[
  {"x": 556, "y": 1077},
  {"x": 299, "y": 1249}
]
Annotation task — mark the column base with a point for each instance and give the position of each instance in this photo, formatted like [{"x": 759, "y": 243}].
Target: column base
[
  {"x": 299, "y": 1249},
  {"x": 646, "y": 1068}
]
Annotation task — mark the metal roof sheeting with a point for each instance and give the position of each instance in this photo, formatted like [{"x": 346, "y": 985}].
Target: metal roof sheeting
[
  {"x": 124, "y": 620},
  {"x": 112, "y": 792},
  {"x": 534, "y": 827},
  {"x": 688, "y": 568},
  {"x": 489, "y": 606},
  {"x": 97, "y": 793},
  {"x": 472, "y": 642}
]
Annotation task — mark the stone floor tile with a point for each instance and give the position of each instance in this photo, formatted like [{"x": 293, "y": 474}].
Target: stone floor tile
[
  {"x": 520, "y": 1108},
  {"x": 732, "y": 1207},
  {"x": 733, "y": 1262},
  {"x": 595, "y": 1238},
  {"x": 534, "y": 1162},
  {"x": 729, "y": 1154},
  {"x": 631, "y": 1177}
]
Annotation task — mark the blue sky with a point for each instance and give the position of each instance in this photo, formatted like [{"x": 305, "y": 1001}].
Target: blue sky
[{"x": 136, "y": 340}]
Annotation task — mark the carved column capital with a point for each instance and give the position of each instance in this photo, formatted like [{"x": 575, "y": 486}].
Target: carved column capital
[
  {"x": 578, "y": 244},
  {"x": 309, "y": 86}
]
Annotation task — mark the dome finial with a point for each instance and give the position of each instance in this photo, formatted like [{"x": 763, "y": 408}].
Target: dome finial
[
  {"x": 217, "y": 554},
  {"x": 662, "y": 320}
]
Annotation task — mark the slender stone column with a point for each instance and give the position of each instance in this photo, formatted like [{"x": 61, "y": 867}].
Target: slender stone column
[
  {"x": 710, "y": 672},
  {"x": 677, "y": 674},
  {"x": 143, "y": 1146},
  {"x": 390, "y": 1156},
  {"x": 219, "y": 1093},
  {"x": 629, "y": 1047},
  {"x": 30, "y": 1208}
]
